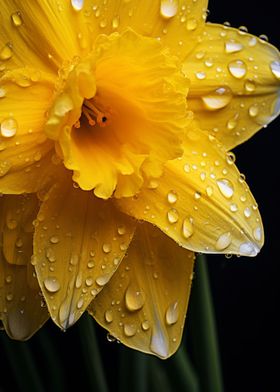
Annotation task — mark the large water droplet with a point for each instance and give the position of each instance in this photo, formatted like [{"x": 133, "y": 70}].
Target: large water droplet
[
  {"x": 103, "y": 279},
  {"x": 172, "y": 314},
  {"x": 108, "y": 316},
  {"x": 187, "y": 228},
  {"x": 16, "y": 19},
  {"x": 8, "y": 127},
  {"x": 233, "y": 46},
  {"x": 159, "y": 343},
  {"x": 129, "y": 330},
  {"x": 172, "y": 216},
  {"x": 275, "y": 69},
  {"x": 6, "y": 52},
  {"x": 223, "y": 241},
  {"x": 218, "y": 99},
  {"x": 52, "y": 284},
  {"x": 134, "y": 299},
  {"x": 225, "y": 187},
  {"x": 238, "y": 69},
  {"x": 168, "y": 8},
  {"x": 77, "y": 4},
  {"x": 172, "y": 197},
  {"x": 248, "y": 249}
]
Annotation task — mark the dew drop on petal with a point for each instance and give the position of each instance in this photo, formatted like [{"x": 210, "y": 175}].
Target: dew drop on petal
[
  {"x": 225, "y": 187},
  {"x": 237, "y": 68},
  {"x": 218, "y": 99},
  {"x": 191, "y": 24},
  {"x": 257, "y": 234},
  {"x": 172, "y": 197},
  {"x": 102, "y": 279},
  {"x": 129, "y": 330},
  {"x": 247, "y": 212},
  {"x": 8, "y": 127},
  {"x": 223, "y": 241},
  {"x": 134, "y": 299},
  {"x": 248, "y": 249},
  {"x": 145, "y": 325},
  {"x": 168, "y": 8},
  {"x": 16, "y": 19},
  {"x": 77, "y": 4},
  {"x": 108, "y": 315},
  {"x": 52, "y": 284},
  {"x": 6, "y": 52},
  {"x": 172, "y": 314},
  {"x": 233, "y": 46},
  {"x": 275, "y": 69},
  {"x": 172, "y": 216}
]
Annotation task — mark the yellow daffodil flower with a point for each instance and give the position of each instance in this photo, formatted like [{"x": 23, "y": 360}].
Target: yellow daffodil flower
[{"x": 117, "y": 119}]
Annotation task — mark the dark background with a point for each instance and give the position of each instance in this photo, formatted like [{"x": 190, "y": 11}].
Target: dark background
[{"x": 245, "y": 291}]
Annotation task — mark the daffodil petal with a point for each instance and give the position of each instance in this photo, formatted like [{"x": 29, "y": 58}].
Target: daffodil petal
[
  {"x": 41, "y": 34},
  {"x": 17, "y": 215},
  {"x": 176, "y": 22},
  {"x": 22, "y": 308},
  {"x": 79, "y": 241},
  {"x": 144, "y": 305},
  {"x": 25, "y": 152},
  {"x": 235, "y": 83},
  {"x": 202, "y": 201}
]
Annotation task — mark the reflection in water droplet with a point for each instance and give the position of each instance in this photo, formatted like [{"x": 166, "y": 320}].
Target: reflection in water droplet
[
  {"x": 129, "y": 330},
  {"x": 172, "y": 314},
  {"x": 225, "y": 187},
  {"x": 172, "y": 216},
  {"x": 223, "y": 241},
  {"x": 218, "y": 99},
  {"x": 168, "y": 8},
  {"x": 233, "y": 46},
  {"x": 52, "y": 284},
  {"x": 238, "y": 69},
  {"x": 8, "y": 127},
  {"x": 275, "y": 69},
  {"x": 134, "y": 299},
  {"x": 108, "y": 316},
  {"x": 77, "y": 4}
]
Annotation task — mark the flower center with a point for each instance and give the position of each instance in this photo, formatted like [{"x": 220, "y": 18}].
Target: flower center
[{"x": 120, "y": 115}]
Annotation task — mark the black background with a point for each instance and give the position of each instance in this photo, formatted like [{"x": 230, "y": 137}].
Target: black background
[{"x": 245, "y": 291}]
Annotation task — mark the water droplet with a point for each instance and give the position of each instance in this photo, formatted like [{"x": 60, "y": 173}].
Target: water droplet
[
  {"x": 134, "y": 299},
  {"x": 9, "y": 297},
  {"x": 230, "y": 158},
  {"x": 172, "y": 314},
  {"x": 200, "y": 75},
  {"x": 89, "y": 281},
  {"x": 108, "y": 315},
  {"x": 223, "y": 241},
  {"x": 168, "y": 8},
  {"x": 74, "y": 259},
  {"x": 50, "y": 255},
  {"x": 257, "y": 234},
  {"x": 107, "y": 248},
  {"x": 248, "y": 249},
  {"x": 252, "y": 41},
  {"x": 129, "y": 330},
  {"x": 6, "y": 52},
  {"x": 80, "y": 303},
  {"x": 54, "y": 239},
  {"x": 209, "y": 191},
  {"x": 8, "y": 127},
  {"x": 233, "y": 46},
  {"x": 77, "y": 4},
  {"x": 8, "y": 279},
  {"x": 238, "y": 69},
  {"x": 250, "y": 86},
  {"x": 52, "y": 284},
  {"x": 2, "y": 92},
  {"x": 225, "y": 187},
  {"x": 63, "y": 105},
  {"x": 247, "y": 212},
  {"x": 115, "y": 22},
  {"x": 172, "y": 197},
  {"x": 121, "y": 230},
  {"x": 172, "y": 216},
  {"x": 145, "y": 325},
  {"x": 253, "y": 111},
  {"x": 233, "y": 207},
  {"x": 191, "y": 24},
  {"x": 231, "y": 124},
  {"x": 111, "y": 338},
  {"x": 103, "y": 279},
  {"x": 16, "y": 19},
  {"x": 275, "y": 69},
  {"x": 218, "y": 99},
  {"x": 197, "y": 195}
]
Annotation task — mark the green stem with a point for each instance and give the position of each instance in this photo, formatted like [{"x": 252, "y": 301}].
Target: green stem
[
  {"x": 22, "y": 365},
  {"x": 158, "y": 379},
  {"x": 92, "y": 357},
  {"x": 181, "y": 372},
  {"x": 203, "y": 331},
  {"x": 133, "y": 371}
]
